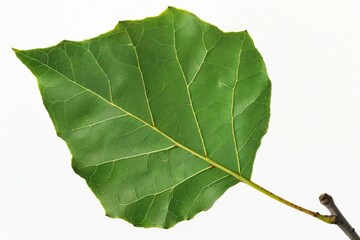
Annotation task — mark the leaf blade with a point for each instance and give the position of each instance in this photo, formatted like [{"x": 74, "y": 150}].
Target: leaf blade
[{"x": 157, "y": 132}]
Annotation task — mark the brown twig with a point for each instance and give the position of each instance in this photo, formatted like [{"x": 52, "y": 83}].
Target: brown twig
[{"x": 340, "y": 220}]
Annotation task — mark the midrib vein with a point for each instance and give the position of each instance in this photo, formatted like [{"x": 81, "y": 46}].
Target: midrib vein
[{"x": 206, "y": 159}]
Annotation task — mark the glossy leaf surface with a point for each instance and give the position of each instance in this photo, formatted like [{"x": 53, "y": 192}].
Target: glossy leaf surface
[{"x": 151, "y": 109}]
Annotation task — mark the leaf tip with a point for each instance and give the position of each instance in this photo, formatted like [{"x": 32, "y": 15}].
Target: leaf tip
[{"x": 16, "y": 51}]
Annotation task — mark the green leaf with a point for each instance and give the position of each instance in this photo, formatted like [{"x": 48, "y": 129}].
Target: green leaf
[{"x": 161, "y": 115}]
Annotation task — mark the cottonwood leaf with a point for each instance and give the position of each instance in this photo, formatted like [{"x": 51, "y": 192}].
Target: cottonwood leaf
[{"x": 159, "y": 114}]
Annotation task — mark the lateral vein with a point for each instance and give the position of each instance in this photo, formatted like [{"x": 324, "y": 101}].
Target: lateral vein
[
  {"x": 188, "y": 93},
  {"x": 232, "y": 110},
  {"x": 142, "y": 77}
]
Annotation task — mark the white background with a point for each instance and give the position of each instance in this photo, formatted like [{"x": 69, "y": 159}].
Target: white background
[{"x": 312, "y": 52}]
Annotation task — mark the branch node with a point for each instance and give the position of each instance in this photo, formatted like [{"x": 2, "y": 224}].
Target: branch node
[{"x": 340, "y": 220}]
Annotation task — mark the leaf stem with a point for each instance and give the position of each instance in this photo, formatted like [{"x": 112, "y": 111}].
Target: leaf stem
[{"x": 325, "y": 218}]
